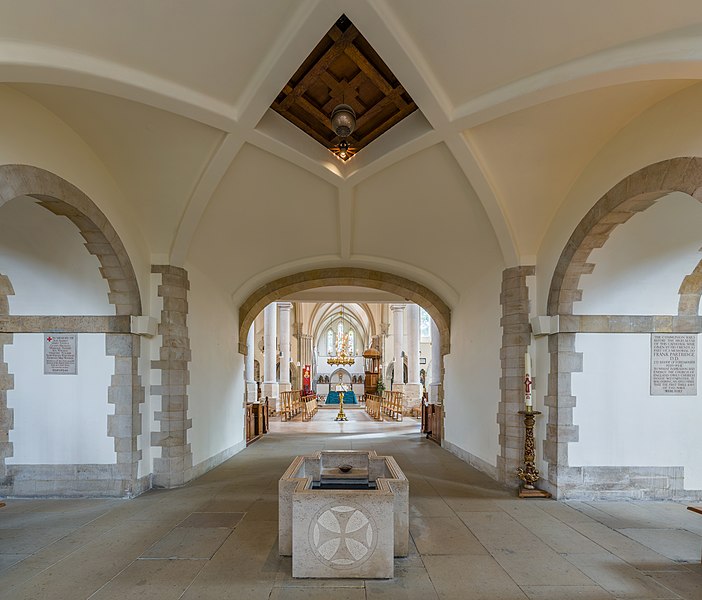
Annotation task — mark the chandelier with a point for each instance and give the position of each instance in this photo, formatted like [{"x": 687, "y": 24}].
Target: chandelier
[
  {"x": 343, "y": 355},
  {"x": 343, "y": 122}
]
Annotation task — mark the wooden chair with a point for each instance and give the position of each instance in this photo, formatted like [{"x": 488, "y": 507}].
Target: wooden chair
[
  {"x": 309, "y": 407},
  {"x": 373, "y": 406}
]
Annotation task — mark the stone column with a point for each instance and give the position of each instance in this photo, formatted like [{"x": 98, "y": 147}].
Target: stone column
[
  {"x": 269, "y": 388},
  {"x": 7, "y": 383},
  {"x": 398, "y": 315},
  {"x": 127, "y": 394},
  {"x": 436, "y": 359},
  {"x": 174, "y": 467},
  {"x": 306, "y": 353},
  {"x": 384, "y": 333},
  {"x": 249, "y": 364},
  {"x": 560, "y": 430},
  {"x": 516, "y": 336},
  {"x": 284, "y": 326},
  {"x": 413, "y": 387}
]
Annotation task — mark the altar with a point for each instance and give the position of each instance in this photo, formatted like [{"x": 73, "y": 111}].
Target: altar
[{"x": 349, "y": 398}]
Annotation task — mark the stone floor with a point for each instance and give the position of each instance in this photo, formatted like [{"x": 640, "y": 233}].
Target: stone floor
[{"x": 217, "y": 538}]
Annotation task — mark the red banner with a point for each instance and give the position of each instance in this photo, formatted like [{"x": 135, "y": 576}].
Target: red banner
[{"x": 306, "y": 384}]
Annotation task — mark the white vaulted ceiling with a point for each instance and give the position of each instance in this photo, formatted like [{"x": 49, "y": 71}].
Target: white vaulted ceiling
[{"x": 515, "y": 100}]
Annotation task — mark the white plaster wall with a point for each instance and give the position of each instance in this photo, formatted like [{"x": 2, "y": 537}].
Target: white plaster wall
[
  {"x": 472, "y": 369},
  {"x": 216, "y": 391},
  {"x": 323, "y": 368},
  {"x": 32, "y": 135},
  {"x": 620, "y": 422},
  {"x": 669, "y": 129},
  {"x": 617, "y": 366},
  {"x": 640, "y": 268},
  {"x": 60, "y": 419},
  {"x": 50, "y": 269}
]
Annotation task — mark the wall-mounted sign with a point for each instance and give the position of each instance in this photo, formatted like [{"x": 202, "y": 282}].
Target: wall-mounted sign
[
  {"x": 673, "y": 364},
  {"x": 60, "y": 354}
]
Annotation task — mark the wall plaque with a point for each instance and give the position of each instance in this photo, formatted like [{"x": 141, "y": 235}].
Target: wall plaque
[
  {"x": 60, "y": 354},
  {"x": 673, "y": 364}
]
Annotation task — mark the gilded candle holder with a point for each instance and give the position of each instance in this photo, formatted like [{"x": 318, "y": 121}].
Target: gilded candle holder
[
  {"x": 529, "y": 474},
  {"x": 341, "y": 416}
]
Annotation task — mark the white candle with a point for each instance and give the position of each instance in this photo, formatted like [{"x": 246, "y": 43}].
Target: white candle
[{"x": 527, "y": 381}]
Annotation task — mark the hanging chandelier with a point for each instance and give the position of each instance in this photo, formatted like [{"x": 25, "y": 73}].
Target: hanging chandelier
[{"x": 343, "y": 354}]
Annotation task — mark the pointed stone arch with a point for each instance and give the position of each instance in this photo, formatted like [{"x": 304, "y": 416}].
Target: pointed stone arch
[{"x": 346, "y": 276}]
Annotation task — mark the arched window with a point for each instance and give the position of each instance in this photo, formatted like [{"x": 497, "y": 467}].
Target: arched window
[
  {"x": 352, "y": 346},
  {"x": 330, "y": 343},
  {"x": 424, "y": 323}
]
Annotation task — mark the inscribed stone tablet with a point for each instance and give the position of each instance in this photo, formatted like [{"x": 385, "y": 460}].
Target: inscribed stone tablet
[
  {"x": 673, "y": 364},
  {"x": 60, "y": 354}
]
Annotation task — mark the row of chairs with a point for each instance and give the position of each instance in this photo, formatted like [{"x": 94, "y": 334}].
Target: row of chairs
[
  {"x": 293, "y": 403},
  {"x": 290, "y": 405},
  {"x": 373, "y": 404},
  {"x": 392, "y": 405},
  {"x": 309, "y": 406},
  {"x": 389, "y": 406}
]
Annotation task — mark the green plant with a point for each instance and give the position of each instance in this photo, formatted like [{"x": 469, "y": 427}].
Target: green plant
[{"x": 381, "y": 385}]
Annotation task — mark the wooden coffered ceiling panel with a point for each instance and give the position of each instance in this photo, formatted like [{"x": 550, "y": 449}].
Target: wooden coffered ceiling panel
[{"x": 344, "y": 69}]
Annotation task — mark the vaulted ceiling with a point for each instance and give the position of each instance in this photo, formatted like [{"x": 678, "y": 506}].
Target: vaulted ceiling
[{"x": 514, "y": 100}]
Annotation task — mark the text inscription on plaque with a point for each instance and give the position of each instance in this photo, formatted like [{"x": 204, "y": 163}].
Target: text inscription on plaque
[
  {"x": 60, "y": 356},
  {"x": 673, "y": 364}
]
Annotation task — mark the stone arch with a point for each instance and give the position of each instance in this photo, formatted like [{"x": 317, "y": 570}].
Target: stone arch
[
  {"x": 125, "y": 392},
  {"x": 634, "y": 194},
  {"x": 690, "y": 293},
  {"x": 64, "y": 199},
  {"x": 319, "y": 329},
  {"x": 334, "y": 376},
  {"x": 346, "y": 276}
]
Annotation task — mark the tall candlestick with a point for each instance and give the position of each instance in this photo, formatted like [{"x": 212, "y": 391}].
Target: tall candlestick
[{"x": 528, "y": 382}]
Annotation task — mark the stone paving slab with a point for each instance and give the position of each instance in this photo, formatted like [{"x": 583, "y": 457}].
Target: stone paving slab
[{"x": 471, "y": 539}]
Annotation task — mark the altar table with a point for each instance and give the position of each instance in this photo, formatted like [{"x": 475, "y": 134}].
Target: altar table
[{"x": 349, "y": 398}]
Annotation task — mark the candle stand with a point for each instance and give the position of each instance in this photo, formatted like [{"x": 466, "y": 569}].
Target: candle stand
[
  {"x": 529, "y": 474},
  {"x": 341, "y": 416}
]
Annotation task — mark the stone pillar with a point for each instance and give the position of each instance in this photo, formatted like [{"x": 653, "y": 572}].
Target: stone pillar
[
  {"x": 7, "y": 383},
  {"x": 516, "y": 336},
  {"x": 436, "y": 360},
  {"x": 284, "y": 327},
  {"x": 306, "y": 357},
  {"x": 384, "y": 333},
  {"x": 413, "y": 387},
  {"x": 127, "y": 394},
  {"x": 398, "y": 315},
  {"x": 251, "y": 390},
  {"x": 174, "y": 467},
  {"x": 269, "y": 389},
  {"x": 306, "y": 350},
  {"x": 560, "y": 430}
]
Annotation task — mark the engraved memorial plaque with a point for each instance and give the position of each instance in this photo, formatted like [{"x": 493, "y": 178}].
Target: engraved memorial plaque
[
  {"x": 673, "y": 364},
  {"x": 60, "y": 354}
]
